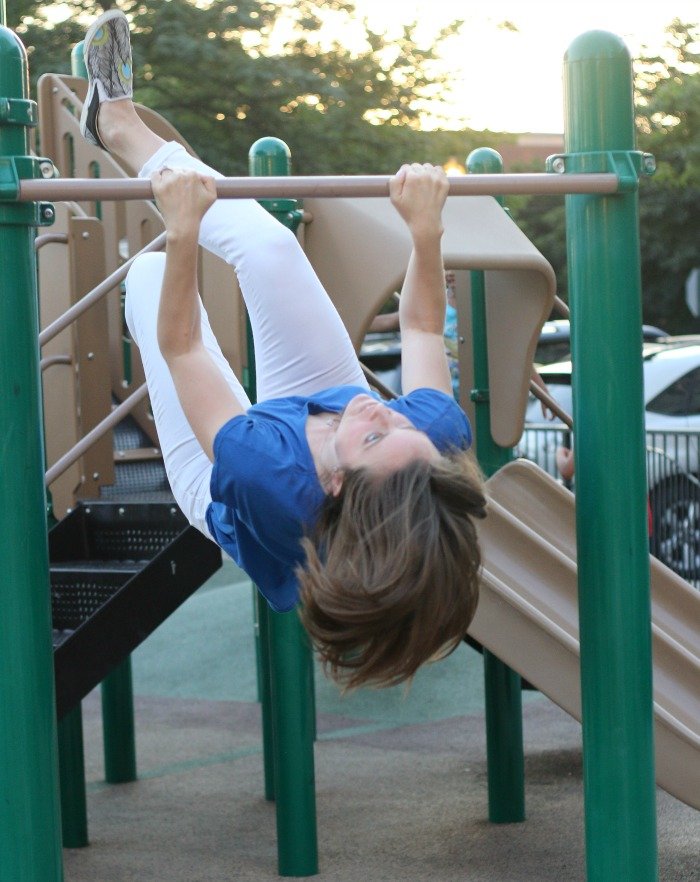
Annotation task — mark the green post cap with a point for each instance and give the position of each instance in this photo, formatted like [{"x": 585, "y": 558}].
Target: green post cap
[
  {"x": 598, "y": 95},
  {"x": 77, "y": 61},
  {"x": 596, "y": 44},
  {"x": 14, "y": 77},
  {"x": 13, "y": 65},
  {"x": 484, "y": 161},
  {"x": 269, "y": 157}
]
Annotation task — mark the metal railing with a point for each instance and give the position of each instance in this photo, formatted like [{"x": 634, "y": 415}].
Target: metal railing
[{"x": 673, "y": 477}]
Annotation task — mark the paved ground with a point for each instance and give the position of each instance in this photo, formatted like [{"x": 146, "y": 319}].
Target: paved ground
[{"x": 401, "y": 778}]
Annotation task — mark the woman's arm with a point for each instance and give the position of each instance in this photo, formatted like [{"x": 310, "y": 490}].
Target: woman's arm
[
  {"x": 418, "y": 193},
  {"x": 183, "y": 198}
]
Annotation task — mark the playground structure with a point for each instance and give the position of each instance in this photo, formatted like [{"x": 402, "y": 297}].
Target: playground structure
[{"x": 615, "y": 633}]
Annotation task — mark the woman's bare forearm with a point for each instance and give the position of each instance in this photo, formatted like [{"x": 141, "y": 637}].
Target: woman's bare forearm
[
  {"x": 179, "y": 313},
  {"x": 423, "y": 300}
]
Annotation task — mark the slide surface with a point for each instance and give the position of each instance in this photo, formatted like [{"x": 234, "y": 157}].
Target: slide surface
[{"x": 528, "y": 616}]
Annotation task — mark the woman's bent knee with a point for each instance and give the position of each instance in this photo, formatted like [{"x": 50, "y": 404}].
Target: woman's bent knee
[{"x": 143, "y": 286}]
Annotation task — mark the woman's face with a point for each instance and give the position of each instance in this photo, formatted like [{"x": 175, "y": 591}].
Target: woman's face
[{"x": 375, "y": 437}]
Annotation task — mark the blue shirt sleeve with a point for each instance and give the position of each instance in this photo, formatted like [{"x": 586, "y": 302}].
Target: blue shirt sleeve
[
  {"x": 263, "y": 500},
  {"x": 439, "y": 416}
]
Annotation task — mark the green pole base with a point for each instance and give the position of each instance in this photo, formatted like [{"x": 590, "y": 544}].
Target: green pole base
[
  {"x": 72, "y": 780},
  {"x": 265, "y": 692},
  {"x": 504, "y": 742},
  {"x": 292, "y": 710},
  {"x": 118, "y": 724}
]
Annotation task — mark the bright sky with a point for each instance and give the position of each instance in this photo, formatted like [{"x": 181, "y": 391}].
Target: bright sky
[{"x": 507, "y": 81}]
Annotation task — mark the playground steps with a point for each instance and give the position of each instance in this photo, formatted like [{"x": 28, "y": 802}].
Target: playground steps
[{"x": 118, "y": 570}]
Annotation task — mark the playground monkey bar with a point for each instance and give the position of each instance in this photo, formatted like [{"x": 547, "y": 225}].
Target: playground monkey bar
[{"x": 83, "y": 189}]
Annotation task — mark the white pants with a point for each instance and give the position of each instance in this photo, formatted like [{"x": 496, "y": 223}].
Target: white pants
[{"x": 301, "y": 345}]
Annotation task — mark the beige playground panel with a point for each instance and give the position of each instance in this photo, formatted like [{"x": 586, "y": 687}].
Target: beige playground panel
[{"x": 528, "y": 616}]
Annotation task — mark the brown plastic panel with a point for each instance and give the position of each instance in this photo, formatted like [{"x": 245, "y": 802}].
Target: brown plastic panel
[
  {"x": 528, "y": 616},
  {"x": 360, "y": 249},
  {"x": 90, "y": 357},
  {"x": 59, "y": 390}
]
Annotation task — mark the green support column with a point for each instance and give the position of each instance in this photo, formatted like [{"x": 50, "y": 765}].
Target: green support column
[
  {"x": 504, "y": 718},
  {"x": 30, "y": 821},
  {"x": 118, "y": 723},
  {"x": 72, "y": 779},
  {"x": 295, "y": 792},
  {"x": 613, "y": 560},
  {"x": 291, "y": 691},
  {"x": 262, "y": 646}
]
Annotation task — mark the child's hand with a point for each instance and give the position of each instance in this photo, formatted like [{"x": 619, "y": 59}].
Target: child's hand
[
  {"x": 183, "y": 197},
  {"x": 418, "y": 193}
]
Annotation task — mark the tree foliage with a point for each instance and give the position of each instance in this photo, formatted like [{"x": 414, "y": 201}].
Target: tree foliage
[
  {"x": 221, "y": 75},
  {"x": 668, "y": 124}
]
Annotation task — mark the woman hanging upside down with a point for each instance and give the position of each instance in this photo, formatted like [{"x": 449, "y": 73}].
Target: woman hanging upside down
[{"x": 360, "y": 509}]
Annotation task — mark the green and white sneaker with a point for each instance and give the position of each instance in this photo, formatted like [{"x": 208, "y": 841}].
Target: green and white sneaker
[{"x": 107, "y": 53}]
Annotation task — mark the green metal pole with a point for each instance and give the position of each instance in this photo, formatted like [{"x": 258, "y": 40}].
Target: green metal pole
[
  {"x": 262, "y": 637},
  {"x": 118, "y": 723},
  {"x": 291, "y": 689},
  {"x": 503, "y": 688},
  {"x": 289, "y": 660},
  {"x": 72, "y": 779},
  {"x": 613, "y": 560},
  {"x": 267, "y": 157},
  {"x": 30, "y": 822}
]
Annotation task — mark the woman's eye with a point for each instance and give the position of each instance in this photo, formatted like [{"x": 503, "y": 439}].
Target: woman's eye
[{"x": 372, "y": 437}]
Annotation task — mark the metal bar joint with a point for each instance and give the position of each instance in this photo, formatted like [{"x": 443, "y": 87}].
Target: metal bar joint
[
  {"x": 479, "y": 396},
  {"x": 13, "y": 169},
  {"x": 627, "y": 165},
  {"x": 17, "y": 112}
]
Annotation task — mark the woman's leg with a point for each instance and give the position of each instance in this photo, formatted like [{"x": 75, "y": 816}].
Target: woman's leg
[
  {"x": 187, "y": 465},
  {"x": 301, "y": 345}
]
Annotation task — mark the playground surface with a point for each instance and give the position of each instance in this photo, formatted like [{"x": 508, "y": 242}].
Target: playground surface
[{"x": 400, "y": 776}]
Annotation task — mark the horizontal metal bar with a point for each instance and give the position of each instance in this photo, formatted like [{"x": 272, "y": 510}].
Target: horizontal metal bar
[
  {"x": 82, "y": 189},
  {"x": 94, "y": 435}
]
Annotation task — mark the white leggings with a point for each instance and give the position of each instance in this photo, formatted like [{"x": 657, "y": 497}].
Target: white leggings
[{"x": 301, "y": 345}]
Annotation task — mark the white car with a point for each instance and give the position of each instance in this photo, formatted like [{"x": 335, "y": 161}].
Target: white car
[{"x": 672, "y": 419}]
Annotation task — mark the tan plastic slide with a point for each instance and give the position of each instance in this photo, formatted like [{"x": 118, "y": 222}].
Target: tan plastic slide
[{"x": 528, "y": 616}]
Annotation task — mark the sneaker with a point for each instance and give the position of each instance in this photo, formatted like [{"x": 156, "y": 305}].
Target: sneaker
[{"x": 107, "y": 53}]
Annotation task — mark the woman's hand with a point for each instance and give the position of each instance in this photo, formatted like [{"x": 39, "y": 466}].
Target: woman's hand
[
  {"x": 183, "y": 197},
  {"x": 418, "y": 193}
]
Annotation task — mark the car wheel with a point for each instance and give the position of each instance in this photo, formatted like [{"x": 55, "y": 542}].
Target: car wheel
[{"x": 675, "y": 539}]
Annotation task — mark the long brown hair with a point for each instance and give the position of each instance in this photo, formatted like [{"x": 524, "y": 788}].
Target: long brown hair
[{"x": 392, "y": 569}]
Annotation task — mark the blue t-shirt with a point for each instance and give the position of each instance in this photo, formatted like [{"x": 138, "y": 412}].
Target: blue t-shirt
[{"x": 265, "y": 491}]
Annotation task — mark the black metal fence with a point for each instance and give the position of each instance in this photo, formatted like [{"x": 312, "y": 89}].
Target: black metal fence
[{"x": 673, "y": 466}]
